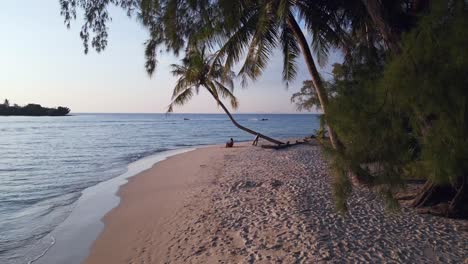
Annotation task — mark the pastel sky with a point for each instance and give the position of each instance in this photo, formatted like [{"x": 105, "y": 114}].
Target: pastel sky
[{"x": 41, "y": 61}]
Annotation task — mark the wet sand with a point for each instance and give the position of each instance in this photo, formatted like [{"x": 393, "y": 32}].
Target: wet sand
[{"x": 254, "y": 205}]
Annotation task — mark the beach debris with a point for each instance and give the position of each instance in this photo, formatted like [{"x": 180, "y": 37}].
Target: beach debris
[
  {"x": 250, "y": 184},
  {"x": 276, "y": 183},
  {"x": 288, "y": 144},
  {"x": 244, "y": 185}
]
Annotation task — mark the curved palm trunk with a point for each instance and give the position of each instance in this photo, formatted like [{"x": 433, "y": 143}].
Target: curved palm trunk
[
  {"x": 321, "y": 93},
  {"x": 240, "y": 126}
]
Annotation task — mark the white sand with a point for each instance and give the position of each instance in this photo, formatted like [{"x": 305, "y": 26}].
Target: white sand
[{"x": 252, "y": 205}]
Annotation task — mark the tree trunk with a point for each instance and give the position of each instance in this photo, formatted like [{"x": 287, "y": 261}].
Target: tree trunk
[
  {"x": 316, "y": 80},
  {"x": 443, "y": 200},
  {"x": 459, "y": 204},
  {"x": 240, "y": 126},
  {"x": 377, "y": 14}
]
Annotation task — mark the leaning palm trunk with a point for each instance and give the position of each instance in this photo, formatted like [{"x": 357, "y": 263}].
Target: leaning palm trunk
[
  {"x": 356, "y": 177},
  {"x": 239, "y": 125},
  {"x": 318, "y": 85}
]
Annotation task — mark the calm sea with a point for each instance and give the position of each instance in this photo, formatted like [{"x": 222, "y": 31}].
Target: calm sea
[{"x": 47, "y": 162}]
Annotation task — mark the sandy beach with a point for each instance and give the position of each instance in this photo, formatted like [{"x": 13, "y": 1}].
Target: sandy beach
[{"x": 254, "y": 205}]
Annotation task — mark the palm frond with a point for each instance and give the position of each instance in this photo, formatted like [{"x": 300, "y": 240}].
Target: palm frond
[
  {"x": 178, "y": 70},
  {"x": 324, "y": 26},
  {"x": 233, "y": 46},
  {"x": 283, "y": 9},
  {"x": 262, "y": 44},
  {"x": 227, "y": 93},
  {"x": 179, "y": 87},
  {"x": 290, "y": 53},
  {"x": 180, "y": 99},
  {"x": 320, "y": 47}
]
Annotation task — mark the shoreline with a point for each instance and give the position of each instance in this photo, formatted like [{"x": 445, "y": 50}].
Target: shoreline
[
  {"x": 84, "y": 224},
  {"x": 158, "y": 194},
  {"x": 249, "y": 205},
  {"x": 66, "y": 164}
]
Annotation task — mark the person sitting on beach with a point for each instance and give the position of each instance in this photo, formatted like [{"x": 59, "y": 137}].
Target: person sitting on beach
[{"x": 230, "y": 143}]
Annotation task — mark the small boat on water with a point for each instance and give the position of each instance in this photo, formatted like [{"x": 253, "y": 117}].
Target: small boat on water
[
  {"x": 264, "y": 119},
  {"x": 186, "y": 118}
]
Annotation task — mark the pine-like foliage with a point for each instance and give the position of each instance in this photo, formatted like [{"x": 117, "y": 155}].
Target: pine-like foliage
[{"x": 406, "y": 116}]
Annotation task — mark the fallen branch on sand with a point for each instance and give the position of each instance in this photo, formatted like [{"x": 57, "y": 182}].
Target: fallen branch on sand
[{"x": 282, "y": 146}]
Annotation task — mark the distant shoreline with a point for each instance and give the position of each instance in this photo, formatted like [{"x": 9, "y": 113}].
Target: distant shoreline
[{"x": 31, "y": 110}]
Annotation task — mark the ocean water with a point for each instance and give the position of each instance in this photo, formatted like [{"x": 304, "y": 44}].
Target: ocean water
[{"x": 47, "y": 163}]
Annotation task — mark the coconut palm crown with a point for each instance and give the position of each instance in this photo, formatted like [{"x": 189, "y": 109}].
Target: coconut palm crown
[{"x": 201, "y": 70}]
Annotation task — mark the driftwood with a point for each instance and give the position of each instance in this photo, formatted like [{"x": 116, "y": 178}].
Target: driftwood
[{"x": 282, "y": 146}]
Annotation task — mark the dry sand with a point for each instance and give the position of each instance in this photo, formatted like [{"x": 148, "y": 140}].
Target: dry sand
[{"x": 253, "y": 205}]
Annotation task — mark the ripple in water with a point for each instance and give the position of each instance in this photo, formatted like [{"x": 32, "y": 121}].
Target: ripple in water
[{"x": 47, "y": 162}]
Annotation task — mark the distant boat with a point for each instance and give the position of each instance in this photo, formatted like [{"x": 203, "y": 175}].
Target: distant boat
[
  {"x": 264, "y": 119},
  {"x": 186, "y": 118}
]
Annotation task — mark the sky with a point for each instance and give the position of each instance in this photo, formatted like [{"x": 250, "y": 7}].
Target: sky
[{"x": 41, "y": 61}]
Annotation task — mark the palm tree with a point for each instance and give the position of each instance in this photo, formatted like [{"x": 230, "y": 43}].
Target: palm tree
[
  {"x": 258, "y": 26},
  {"x": 198, "y": 70},
  {"x": 262, "y": 26}
]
